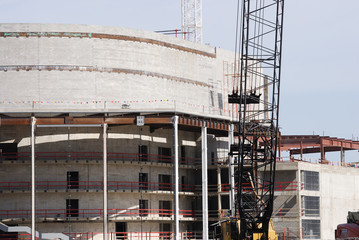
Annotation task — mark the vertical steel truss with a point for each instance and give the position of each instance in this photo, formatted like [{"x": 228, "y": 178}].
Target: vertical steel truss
[{"x": 258, "y": 99}]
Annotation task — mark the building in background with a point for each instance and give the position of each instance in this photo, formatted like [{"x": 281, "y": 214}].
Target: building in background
[
  {"x": 314, "y": 195},
  {"x": 149, "y": 115}
]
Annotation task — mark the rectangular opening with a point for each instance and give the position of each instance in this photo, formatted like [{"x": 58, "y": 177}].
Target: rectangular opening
[
  {"x": 311, "y": 206},
  {"x": 143, "y": 181},
  {"x": 211, "y": 93},
  {"x": 72, "y": 208},
  {"x": 143, "y": 207},
  {"x": 220, "y": 100},
  {"x": 310, "y": 180},
  {"x": 121, "y": 230},
  {"x": 8, "y": 151},
  {"x": 164, "y": 182},
  {"x": 143, "y": 153},
  {"x": 165, "y": 208},
  {"x": 73, "y": 180},
  {"x": 311, "y": 228},
  {"x": 183, "y": 184},
  {"x": 165, "y": 231},
  {"x": 164, "y": 154}
]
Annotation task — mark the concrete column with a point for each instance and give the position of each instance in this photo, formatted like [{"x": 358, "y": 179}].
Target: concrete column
[
  {"x": 204, "y": 184},
  {"x": 105, "y": 229},
  {"x": 231, "y": 172},
  {"x": 219, "y": 190},
  {"x": 33, "y": 190},
  {"x": 176, "y": 177}
]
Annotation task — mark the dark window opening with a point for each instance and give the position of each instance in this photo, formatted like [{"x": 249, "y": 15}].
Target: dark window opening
[
  {"x": 121, "y": 230},
  {"x": 8, "y": 151},
  {"x": 183, "y": 154},
  {"x": 212, "y": 181},
  {"x": 183, "y": 184},
  {"x": 164, "y": 154},
  {"x": 143, "y": 181},
  {"x": 220, "y": 101},
  {"x": 143, "y": 153},
  {"x": 72, "y": 208},
  {"x": 165, "y": 208},
  {"x": 164, "y": 182},
  {"x": 143, "y": 207},
  {"x": 73, "y": 180},
  {"x": 213, "y": 158},
  {"x": 165, "y": 231}
]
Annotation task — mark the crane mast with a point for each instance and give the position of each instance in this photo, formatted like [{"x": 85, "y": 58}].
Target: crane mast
[{"x": 256, "y": 94}]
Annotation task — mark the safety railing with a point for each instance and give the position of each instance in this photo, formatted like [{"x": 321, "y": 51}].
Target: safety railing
[
  {"x": 136, "y": 235},
  {"x": 134, "y": 186},
  {"x": 310, "y": 212},
  {"x": 278, "y": 186},
  {"x": 286, "y": 212},
  {"x": 97, "y": 156},
  {"x": 114, "y": 235},
  {"x": 97, "y": 185},
  {"x": 94, "y": 214},
  {"x": 317, "y": 161}
]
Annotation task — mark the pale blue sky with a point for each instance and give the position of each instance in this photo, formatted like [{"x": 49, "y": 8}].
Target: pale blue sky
[{"x": 320, "y": 83}]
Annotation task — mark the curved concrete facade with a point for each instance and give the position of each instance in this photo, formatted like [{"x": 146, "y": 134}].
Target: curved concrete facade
[{"x": 48, "y": 68}]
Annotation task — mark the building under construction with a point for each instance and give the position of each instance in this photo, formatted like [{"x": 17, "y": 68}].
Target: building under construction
[{"x": 107, "y": 131}]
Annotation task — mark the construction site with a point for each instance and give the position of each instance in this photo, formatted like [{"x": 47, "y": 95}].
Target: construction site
[{"x": 117, "y": 133}]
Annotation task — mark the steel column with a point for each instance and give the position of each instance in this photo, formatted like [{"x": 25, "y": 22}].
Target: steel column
[
  {"x": 176, "y": 177},
  {"x": 322, "y": 151},
  {"x": 33, "y": 191},
  {"x": 105, "y": 231},
  {"x": 204, "y": 183},
  {"x": 231, "y": 172}
]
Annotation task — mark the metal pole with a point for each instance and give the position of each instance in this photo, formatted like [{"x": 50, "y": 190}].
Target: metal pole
[
  {"x": 204, "y": 184},
  {"x": 176, "y": 177},
  {"x": 33, "y": 125},
  {"x": 105, "y": 231},
  {"x": 231, "y": 172}
]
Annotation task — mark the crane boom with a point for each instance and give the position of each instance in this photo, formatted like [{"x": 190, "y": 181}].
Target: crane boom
[{"x": 256, "y": 94}]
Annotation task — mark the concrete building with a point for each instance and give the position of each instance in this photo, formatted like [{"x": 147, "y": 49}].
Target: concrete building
[
  {"x": 131, "y": 132},
  {"x": 78, "y": 90}
]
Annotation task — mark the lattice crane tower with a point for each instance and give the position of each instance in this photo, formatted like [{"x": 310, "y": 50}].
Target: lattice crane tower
[{"x": 192, "y": 20}]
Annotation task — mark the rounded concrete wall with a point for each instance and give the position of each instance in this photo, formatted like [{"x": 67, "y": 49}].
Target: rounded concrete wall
[{"x": 80, "y": 68}]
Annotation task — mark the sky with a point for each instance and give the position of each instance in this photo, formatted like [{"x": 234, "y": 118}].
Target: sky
[{"x": 319, "y": 82}]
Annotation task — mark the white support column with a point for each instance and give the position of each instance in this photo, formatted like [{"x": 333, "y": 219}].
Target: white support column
[
  {"x": 33, "y": 190},
  {"x": 219, "y": 190},
  {"x": 204, "y": 184},
  {"x": 176, "y": 177},
  {"x": 231, "y": 172},
  {"x": 105, "y": 229}
]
